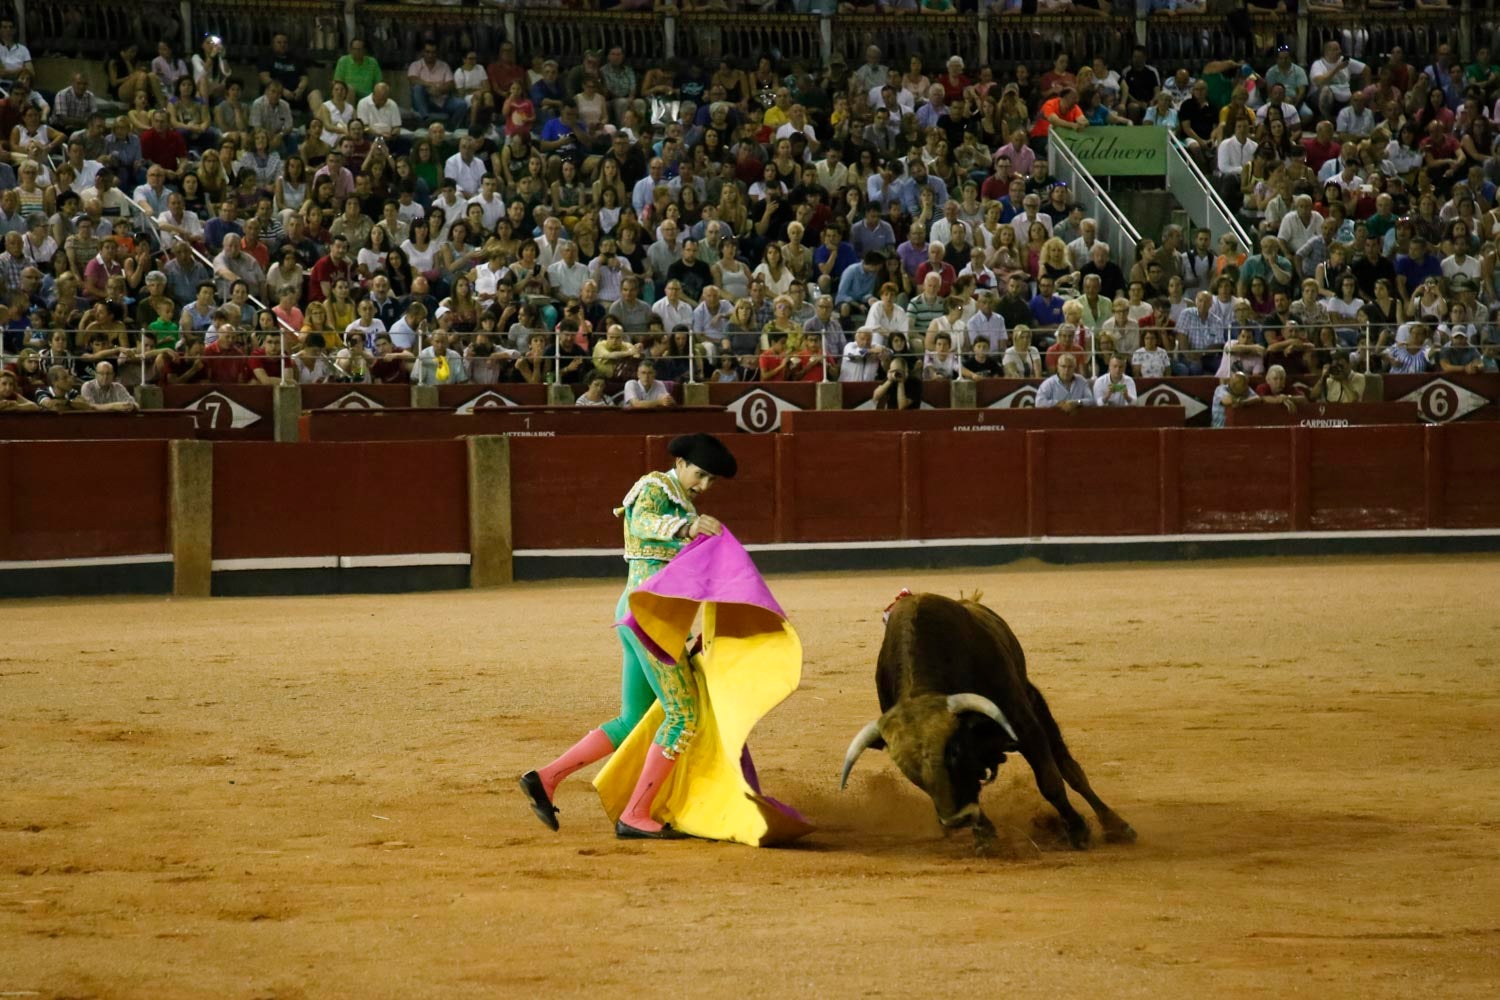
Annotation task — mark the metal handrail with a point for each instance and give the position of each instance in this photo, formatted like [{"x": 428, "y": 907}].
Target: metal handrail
[
  {"x": 1115, "y": 227},
  {"x": 1214, "y": 206}
]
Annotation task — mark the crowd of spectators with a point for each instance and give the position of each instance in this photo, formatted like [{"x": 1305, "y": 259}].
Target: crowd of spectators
[{"x": 639, "y": 222}]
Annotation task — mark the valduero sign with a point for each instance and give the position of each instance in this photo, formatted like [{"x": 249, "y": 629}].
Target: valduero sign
[{"x": 1118, "y": 150}]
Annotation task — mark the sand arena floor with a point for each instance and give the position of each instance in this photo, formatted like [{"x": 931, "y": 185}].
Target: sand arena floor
[{"x": 286, "y": 798}]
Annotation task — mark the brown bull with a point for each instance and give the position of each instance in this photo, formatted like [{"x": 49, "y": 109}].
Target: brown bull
[{"x": 955, "y": 699}]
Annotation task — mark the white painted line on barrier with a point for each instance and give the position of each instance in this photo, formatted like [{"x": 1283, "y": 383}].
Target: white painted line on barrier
[
  {"x": 277, "y": 562},
  {"x": 942, "y": 543},
  {"x": 151, "y": 559},
  {"x": 405, "y": 559}
]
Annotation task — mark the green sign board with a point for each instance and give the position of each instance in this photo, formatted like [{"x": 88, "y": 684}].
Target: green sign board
[{"x": 1118, "y": 150}]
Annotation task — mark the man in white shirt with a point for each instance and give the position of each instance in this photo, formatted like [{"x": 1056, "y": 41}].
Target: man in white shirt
[
  {"x": 379, "y": 113},
  {"x": 488, "y": 276},
  {"x": 1032, "y": 205},
  {"x": 1114, "y": 388},
  {"x": 566, "y": 274},
  {"x": 645, "y": 189},
  {"x": 178, "y": 223},
  {"x": 861, "y": 359},
  {"x": 153, "y": 196},
  {"x": 1330, "y": 79},
  {"x": 1356, "y": 121},
  {"x": 1079, "y": 249},
  {"x": 796, "y": 122},
  {"x": 404, "y": 331},
  {"x": 1236, "y": 152},
  {"x": 549, "y": 245},
  {"x": 711, "y": 317},
  {"x": 941, "y": 231},
  {"x": 1067, "y": 390},
  {"x": 1277, "y": 99},
  {"x": 833, "y": 174},
  {"x": 465, "y": 169},
  {"x": 643, "y": 392},
  {"x": 102, "y": 392},
  {"x": 672, "y": 309},
  {"x": 439, "y": 364},
  {"x": 988, "y": 323},
  {"x": 489, "y": 202},
  {"x": 1299, "y": 225}
]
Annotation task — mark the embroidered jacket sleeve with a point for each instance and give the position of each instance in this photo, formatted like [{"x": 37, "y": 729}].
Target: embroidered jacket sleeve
[{"x": 655, "y": 512}]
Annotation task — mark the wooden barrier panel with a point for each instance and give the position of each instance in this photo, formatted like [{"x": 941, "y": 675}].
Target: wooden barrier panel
[
  {"x": 965, "y": 485},
  {"x": 82, "y": 499},
  {"x": 564, "y": 489},
  {"x": 1228, "y": 480},
  {"x": 1363, "y": 478},
  {"x": 1313, "y": 414},
  {"x": 1089, "y": 483},
  {"x": 1463, "y": 462},
  {"x": 758, "y": 407},
  {"x": 81, "y": 425},
  {"x": 843, "y": 487},
  {"x": 379, "y": 498},
  {"x": 526, "y": 421},
  {"x": 226, "y": 412},
  {"x": 981, "y": 421}
]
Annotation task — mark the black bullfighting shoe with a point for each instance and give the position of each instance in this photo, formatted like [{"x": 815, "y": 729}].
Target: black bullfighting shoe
[
  {"x": 623, "y": 832},
  {"x": 531, "y": 784}
]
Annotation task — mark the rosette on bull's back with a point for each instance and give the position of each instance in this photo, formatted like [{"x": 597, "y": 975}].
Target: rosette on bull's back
[{"x": 676, "y": 706}]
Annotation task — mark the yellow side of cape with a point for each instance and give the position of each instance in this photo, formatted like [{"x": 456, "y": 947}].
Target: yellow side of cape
[{"x": 752, "y": 660}]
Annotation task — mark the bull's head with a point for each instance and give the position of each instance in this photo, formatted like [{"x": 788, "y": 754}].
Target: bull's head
[{"x": 947, "y": 745}]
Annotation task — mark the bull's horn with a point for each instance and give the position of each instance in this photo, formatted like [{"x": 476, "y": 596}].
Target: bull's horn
[
  {"x": 979, "y": 703},
  {"x": 867, "y": 736}
]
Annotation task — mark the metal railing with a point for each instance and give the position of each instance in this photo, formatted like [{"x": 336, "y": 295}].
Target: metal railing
[
  {"x": 1038, "y": 41},
  {"x": 321, "y": 28},
  {"x": 1114, "y": 227},
  {"x": 1197, "y": 195}
]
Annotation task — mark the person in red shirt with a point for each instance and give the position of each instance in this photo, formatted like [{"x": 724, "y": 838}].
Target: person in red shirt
[
  {"x": 934, "y": 264},
  {"x": 225, "y": 358},
  {"x": 1441, "y": 157},
  {"x": 163, "y": 145},
  {"x": 1061, "y": 111},
  {"x": 953, "y": 82},
  {"x": 1321, "y": 147},
  {"x": 330, "y": 270},
  {"x": 773, "y": 360},
  {"x": 505, "y": 71},
  {"x": 266, "y": 363}
]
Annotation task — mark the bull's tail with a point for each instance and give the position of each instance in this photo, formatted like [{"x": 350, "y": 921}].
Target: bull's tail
[{"x": 1049, "y": 724}]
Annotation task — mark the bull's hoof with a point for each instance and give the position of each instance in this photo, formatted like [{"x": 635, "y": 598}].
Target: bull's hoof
[
  {"x": 1122, "y": 834},
  {"x": 1079, "y": 837}
]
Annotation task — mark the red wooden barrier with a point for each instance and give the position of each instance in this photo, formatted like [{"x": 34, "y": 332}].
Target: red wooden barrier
[
  {"x": 843, "y": 487},
  {"x": 81, "y": 425},
  {"x": 82, "y": 499},
  {"x": 280, "y": 500},
  {"x": 1463, "y": 475},
  {"x": 1227, "y": 480},
  {"x": 1363, "y": 478},
  {"x": 228, "y": 412},
  {"x": 563, "y": 490},
  {"x": 527, "y": 421},
  {"x": 966, "y": 485},
  {"x": 1312, "y": 414},
  {"x": 988, "y": 420}
]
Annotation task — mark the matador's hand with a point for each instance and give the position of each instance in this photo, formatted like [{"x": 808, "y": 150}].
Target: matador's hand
[{"x": 704, "y": 525}]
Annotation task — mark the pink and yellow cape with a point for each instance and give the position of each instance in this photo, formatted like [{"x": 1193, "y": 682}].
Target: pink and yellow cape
[{"x": 751, "y": 660}]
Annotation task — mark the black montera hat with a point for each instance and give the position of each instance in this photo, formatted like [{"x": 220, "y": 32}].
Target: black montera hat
[{"x": 706, "y": 452}]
